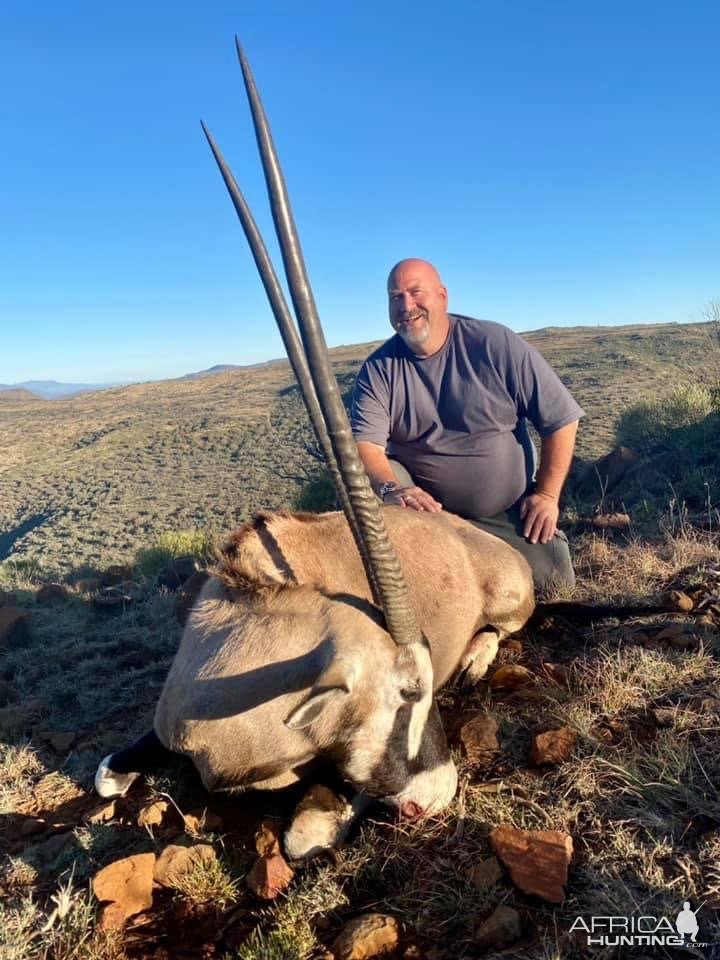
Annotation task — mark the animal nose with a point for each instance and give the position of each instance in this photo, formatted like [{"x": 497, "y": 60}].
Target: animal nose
[{"x": 411, "y": 810}]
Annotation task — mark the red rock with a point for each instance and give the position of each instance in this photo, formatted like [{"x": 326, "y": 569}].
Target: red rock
[
  {"x": 501, "y": 929},
  {"x": 479, "y": 738},
  {"x": 14, "y": 627},
  {"x": 126, "y": 886},
  {"x": 175, "y": 861},
  {"x": 202, "y": 821},
  {"x": 510, "y": 677},
  {"x": 51, "y": 593},
  {"x": 154, "y": 814},
  {"x": 537, "y": 860},
  {"x": 611, "y": 521},
  {"x": 553, "y": 746},
  {"x": 270, "y": 876},
  {"x": 366, "y": 936},
  {"x": 677, "y": 600}
]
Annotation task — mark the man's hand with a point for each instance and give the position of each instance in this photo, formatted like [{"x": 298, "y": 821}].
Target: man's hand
[
  {"x": 413, "y": 497},
  {"x": 540, "y": 512}
]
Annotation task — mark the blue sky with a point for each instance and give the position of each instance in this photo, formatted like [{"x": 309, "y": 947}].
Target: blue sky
[{"x": 559, "y": 162}]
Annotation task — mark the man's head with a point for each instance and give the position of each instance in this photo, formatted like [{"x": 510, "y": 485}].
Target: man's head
[{"x": 417, "y": 303}]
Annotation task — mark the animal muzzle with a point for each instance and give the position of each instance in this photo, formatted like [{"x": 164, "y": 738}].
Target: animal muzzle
[{"x": 427, "y": 793}]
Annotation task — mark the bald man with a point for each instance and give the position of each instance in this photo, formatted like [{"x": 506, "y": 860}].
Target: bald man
[{"x": 440, "y": 415}]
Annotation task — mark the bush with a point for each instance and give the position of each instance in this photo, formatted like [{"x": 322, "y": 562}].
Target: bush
[
  {"x": 677, "y": 420},
  {"x": 171, "y": 545}
]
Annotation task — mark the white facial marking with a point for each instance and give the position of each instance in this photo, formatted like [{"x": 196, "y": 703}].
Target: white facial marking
[
  {"x": 431, "y": 790},
  {"x": 421, "y": 709}
]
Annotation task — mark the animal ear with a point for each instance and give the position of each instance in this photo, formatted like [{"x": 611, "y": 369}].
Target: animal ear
[
  {"x": 336, "y": 680},
  {"x": 311, "y": 709}
]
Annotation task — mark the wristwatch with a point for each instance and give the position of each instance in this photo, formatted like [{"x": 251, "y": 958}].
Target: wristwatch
[{"x": 387, "y": 487}]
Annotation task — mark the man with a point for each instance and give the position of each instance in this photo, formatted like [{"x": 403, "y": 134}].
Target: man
[{"x": 439, "y": 417}]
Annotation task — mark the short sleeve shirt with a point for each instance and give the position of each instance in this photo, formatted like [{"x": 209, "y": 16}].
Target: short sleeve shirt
[{"x": 457, "y": 420}]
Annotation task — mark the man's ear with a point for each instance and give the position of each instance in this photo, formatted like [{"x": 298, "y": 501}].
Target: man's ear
[{"x": 336, "y": 680}]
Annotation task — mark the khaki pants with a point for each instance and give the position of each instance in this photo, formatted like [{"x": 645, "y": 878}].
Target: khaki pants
[{"x": 550, "y": 562}]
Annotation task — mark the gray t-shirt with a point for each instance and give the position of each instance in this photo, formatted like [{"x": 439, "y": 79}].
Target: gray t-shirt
[{"x": 457, "y": 420}]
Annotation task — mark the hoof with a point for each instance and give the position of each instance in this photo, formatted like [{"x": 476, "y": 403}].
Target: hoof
[{"x": 108, "y": 783}]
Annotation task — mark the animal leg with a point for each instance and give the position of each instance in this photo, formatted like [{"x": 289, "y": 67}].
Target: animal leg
[
  {"x": 480, "y": 653},
  {"x": 118, "y": 771},
  {"x": 321, "y": 822}
]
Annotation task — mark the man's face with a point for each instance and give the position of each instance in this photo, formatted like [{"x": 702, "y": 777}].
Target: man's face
[{"x": 417, "y": 303}]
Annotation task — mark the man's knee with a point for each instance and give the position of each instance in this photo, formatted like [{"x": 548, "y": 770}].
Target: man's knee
[{"x": 551, "y": 565}]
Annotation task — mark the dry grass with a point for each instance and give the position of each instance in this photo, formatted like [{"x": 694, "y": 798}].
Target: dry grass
[{"x": 638, "y": 794}]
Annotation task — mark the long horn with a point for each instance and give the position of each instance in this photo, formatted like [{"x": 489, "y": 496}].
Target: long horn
[
  {"x": 293, "y": 346},
  {"x": 383, "y": 565}
]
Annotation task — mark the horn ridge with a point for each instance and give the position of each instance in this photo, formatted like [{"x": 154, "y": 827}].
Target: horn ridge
[
  {"x": 380, "y": 560},
  {"x": 289, "y": 334}
]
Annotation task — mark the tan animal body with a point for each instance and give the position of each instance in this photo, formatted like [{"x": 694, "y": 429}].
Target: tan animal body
[{"x": 289, "y": 611}]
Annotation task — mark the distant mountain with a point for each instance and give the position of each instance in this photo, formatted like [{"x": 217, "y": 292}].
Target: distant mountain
[
  {"x": 53, "y": 389},
  {"x": 218, "y": 368},
  {"x": 225, "y": 367}
]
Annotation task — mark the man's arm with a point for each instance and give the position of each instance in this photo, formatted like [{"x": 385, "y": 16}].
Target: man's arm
[
  {"x": 540, "y": 510},
  {"x": 377, "y": 466}
]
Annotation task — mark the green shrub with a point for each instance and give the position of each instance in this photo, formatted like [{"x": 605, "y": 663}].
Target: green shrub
[
  {"x": 676, "y": 421},
  {"x": 172, "y": 544}
]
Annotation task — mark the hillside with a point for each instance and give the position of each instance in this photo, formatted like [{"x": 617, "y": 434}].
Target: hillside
[{"x": 91, "y": 478}]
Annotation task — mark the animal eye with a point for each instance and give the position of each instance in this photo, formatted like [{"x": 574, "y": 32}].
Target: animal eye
[{"x": 411, "y": 694}]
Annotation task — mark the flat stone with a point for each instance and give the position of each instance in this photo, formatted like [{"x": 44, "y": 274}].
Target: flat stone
[
  {"x": 611, "y": 521},
  {"x": 479, "y": 738},
  {"x": 552, "y": 747},
  {"x": 366, "y": 936},
  {"x": 677, "y": 600},
  {"x": 510, "y": 677},
  {"x": 175, "y": 861},
  {"x": 202, "y": 821},
  {"x": 154, "y": 814},
  {"x": 126, "y": 886},
  {"x": 270, "y": 876},
  {"x": 501, "y": 929},
  {"x": 537, "y": 860}
]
